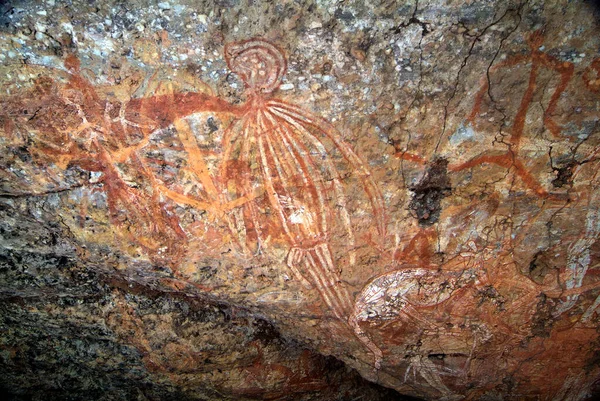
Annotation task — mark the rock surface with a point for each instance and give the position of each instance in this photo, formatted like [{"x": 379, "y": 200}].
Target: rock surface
[{"x": 288, "y": 200}]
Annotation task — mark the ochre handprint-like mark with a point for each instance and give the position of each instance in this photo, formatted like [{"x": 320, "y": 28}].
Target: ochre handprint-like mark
[{"x": 281, "y": 148}]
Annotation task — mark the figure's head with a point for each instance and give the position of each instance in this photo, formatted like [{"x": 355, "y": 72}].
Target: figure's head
[{"x": 260, "y": 64}]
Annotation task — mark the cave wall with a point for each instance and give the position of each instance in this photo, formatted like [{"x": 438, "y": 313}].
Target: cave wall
[{"x": 299, "y": 200}]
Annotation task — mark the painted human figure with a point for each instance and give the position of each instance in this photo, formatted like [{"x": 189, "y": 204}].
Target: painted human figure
[
  {"x": 281, "y": 149},
  {"x": 276, "y": 168}
]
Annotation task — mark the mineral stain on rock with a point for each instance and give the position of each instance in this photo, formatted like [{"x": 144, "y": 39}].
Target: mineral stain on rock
[
  {"x": 429, "y": 192},
  {"x": 564, "y": 175}
]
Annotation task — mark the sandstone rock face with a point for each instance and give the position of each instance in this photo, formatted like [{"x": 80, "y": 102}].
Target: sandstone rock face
[{"x": 322, "y": 200}]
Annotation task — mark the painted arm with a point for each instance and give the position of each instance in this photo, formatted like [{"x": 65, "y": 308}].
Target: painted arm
[{"x": 165, "y": 109}]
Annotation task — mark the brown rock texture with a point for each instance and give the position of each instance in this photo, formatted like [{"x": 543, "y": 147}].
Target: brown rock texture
[{"x": 323, "y": 200}]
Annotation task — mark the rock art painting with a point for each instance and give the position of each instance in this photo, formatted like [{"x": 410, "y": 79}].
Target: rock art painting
[
  {"x": 295, "y": 173},
  {"x": 274, "y": 153},
  {"x": 393, "y": 199},
  {"x": 402, "y": 302}
]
